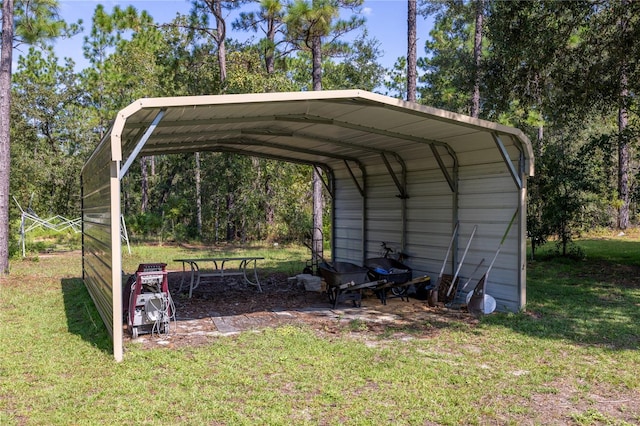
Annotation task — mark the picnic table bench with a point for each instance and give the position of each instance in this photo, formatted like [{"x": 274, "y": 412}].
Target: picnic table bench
[{"x": 246, "y": 268}]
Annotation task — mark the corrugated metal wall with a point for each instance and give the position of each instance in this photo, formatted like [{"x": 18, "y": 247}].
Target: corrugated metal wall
[
  {"x": 429, "y": 212},
  {"x": 97, "y": 259},
  {"x": 348, "y": 220},
  {"x": 489, "y": 200},
  {"x": 487, "y": 197}
]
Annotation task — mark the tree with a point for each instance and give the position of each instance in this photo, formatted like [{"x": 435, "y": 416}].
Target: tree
[
  {"x": 133, "y": 65},
  {"x": 396, "y": 81},
  {"x": 201, "y": 22},
  {"x": 5, "y": 129},
  {"x": 453, "y": 74},
  {"x": 49, "y": 96},
  {"x": 97, "y": 47},
  {"x": 201, "y": 10},
  {"x": 448, "y": 67},
  {"x": 246, "y": 73},
  {"x": 190, "y": 69},
  {"x": 568, "y": 179},
  {"x": 606, "y": 54},
  {"x": 605, "y": 64},
  {"x": 530, "y": 45},
  {"x": 270, "y": 20},
  {"x": 35, "y": 20},
  {"x": 624, "y": 145},
  {"x": 411, "y": 50},
  {"x": 565, "y": 72},
  {"x": 186, "y": 64},
  {"x": 477, "y": 57},
  {"x": 359, "y": 69},
  {"x": 307, "y": 26},
  {"x": 124, "y": 69}
]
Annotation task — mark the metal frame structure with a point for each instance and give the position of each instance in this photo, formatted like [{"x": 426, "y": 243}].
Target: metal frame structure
[
  {"x": 398, "y": 172},
  {"x": 29, "y": 220}
]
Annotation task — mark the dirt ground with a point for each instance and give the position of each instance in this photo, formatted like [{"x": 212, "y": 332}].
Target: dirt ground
[{"x": 227, "y": 306}]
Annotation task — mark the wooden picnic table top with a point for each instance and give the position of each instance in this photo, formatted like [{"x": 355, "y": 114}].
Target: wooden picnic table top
[
  {"x": 218, "y": 259},
  {"x": 246, "y": 263}
]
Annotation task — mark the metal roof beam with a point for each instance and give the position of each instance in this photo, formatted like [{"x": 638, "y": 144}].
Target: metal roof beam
[
  {"x": 383, "y": 153},
  {"x": 145, "y": 137},
  {"x": 322, "y": 179},
  {"x": 230, "y": 150},
  {"x": 431, "y": 142},
  {"x": 505, "y": 156},
  {"x": 265, "y": 132},
  {"x": 365, "y": 129},
  {"x": 299, "y": 118},
  {"x": 360, "y": 187},
  {"x": 244, "y": 141},
  {"x": 341, "y": 143},
  {"x": 402, "y": 186},
  {"x": 443, "y": 167},
  {"x": 205, "y": 145},
  {"x": 208, "y": 121},
  {"x": 294, "y": 118}
]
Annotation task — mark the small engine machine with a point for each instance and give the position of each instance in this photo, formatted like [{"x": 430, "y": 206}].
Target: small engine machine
[{"x": 147, "y": 303}]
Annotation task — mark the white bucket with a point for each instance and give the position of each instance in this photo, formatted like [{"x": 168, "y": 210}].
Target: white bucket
[{"x": 489, "y": 302}]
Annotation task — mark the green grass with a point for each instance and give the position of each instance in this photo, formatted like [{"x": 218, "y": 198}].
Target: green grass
[{"x": 572, "y": 358}]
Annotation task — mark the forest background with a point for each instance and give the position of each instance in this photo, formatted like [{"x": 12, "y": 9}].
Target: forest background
[{"x": 566, "y": 73}]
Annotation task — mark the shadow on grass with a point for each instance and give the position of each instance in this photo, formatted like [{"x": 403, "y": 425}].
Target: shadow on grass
[
  {"x": 587, "y": 302},
  {"x": 83, "y": 318}
]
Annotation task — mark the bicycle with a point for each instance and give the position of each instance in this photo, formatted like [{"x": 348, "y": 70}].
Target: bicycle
[{"x": 389, "y": 253}]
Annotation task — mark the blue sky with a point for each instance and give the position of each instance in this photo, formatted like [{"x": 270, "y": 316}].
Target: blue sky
[{"x": 386, "y": 21}]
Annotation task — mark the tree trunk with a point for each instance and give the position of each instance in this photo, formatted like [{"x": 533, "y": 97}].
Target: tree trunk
[
  {"x": 316, "y": 56},
  {"x": 269, "y": 54},
  {"x": 539, "y": 142},
  {"x": 317, "y": 249},
  {"x": 623, "y": 154},
  {"x": 216, "y": 220},
  {"x": 411, "y": 51},
  {"x": 5, "y": 133},
  {"x": 231, "y": 227},
  {"x": 221, "y": 35},
  {"x": 623, "y": 122},
  {"x": 144, "y": 178},
  {"x": 198, "y": 196},
  {"x": 477, "y": 56},
  {"x": 317, "y": 216},
  {"x": 270, "y": 213}
]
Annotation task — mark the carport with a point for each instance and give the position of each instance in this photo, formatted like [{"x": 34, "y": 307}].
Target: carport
[{"x": 397, "y": 172}]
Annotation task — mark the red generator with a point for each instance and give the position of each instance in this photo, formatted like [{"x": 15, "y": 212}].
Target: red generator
[{"x": 147, "y": 303}]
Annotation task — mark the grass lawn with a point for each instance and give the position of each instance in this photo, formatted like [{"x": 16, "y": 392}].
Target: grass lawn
[{"x": 572, "y": 358}]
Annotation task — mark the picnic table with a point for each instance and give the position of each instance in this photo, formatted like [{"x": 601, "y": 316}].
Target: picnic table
[{"x": 246, "y": 267}]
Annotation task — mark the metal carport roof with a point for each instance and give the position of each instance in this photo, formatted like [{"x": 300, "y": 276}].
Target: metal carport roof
[
  {"x": 311, "y": 127},
  {"x": 352, "y": 130}
]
